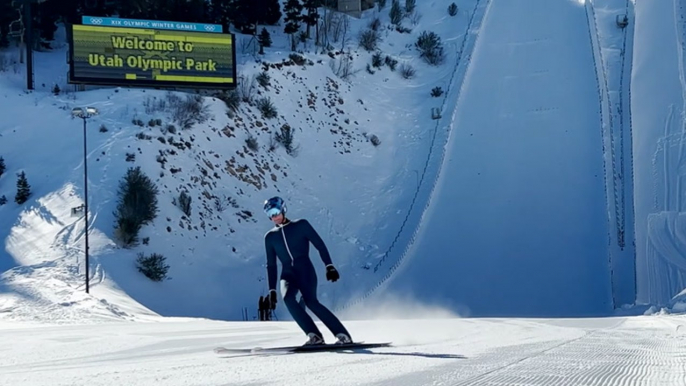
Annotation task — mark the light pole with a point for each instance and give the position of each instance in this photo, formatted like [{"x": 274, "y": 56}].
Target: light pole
[
  {"x": 84, "y": 114},
  {"x": 28, "y": 4}
]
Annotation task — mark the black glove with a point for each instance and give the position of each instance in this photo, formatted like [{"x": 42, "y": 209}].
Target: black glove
[
  {"x": 331, "y": 273},
  {"x": 272, "y": 299}
]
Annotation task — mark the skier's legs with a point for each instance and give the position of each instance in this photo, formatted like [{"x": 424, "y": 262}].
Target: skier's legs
[
  {"x": 299, "y": 314},
  {"x": 308, "y": 289}
]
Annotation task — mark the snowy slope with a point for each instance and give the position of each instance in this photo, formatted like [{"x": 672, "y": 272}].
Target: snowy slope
[
  {"x": 612, "y": 351},
  {"x": 216, "y": 256},
  {"x": 521, "y": 194}
]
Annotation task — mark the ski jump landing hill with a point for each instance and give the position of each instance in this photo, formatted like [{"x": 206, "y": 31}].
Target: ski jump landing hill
[{"x": 518, "y": 221}]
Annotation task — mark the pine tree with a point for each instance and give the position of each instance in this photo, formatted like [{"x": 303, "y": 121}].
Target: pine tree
[
  {"x": 45, "y": 16},
  {"x": 134, "y": 8},
  {"x": 23, "y": 189},
  {"x": 311, "y": 17},
  {"x": 193, "y": 11},
  {"x": 137, "y": 205},
  {"x": 220, "y": 12},
  {"x": 245, "y": 16},
  {"x": 7, "y": 15},
  {"x": 264, "y": 40},
  {"x": 174, "y": 10},
  {"x": 293, "y": 10},
  {"x": 2, "y": 166},
  {"x": 153, "y": 266},
  {"x": 269, "y": 12},
  {"x": 71, "y": 10}
]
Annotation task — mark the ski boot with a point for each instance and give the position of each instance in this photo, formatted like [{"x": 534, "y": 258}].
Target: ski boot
[
  {"x": 314, "y": 339},
  {"x": 343, "y": 339}
]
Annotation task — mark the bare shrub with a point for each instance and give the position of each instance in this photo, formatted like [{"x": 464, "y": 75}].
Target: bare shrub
[
  {"x": 407, "y": 71},
  {"x": 266, "y": 107},
  {"x": 335, "y": 25},
  {"x": 396, "y": 13},
  {"x": 345, "y": 29},
  {"x": 375, "y": 24},
  {"x": 374, "y": 140},
  {"x": 285, "y": 138},
  {"x": 430, "y": 48},
  {"x": 343, "y": 66},
  {"x": 251, "y": 143},
  {"x": 249, "y": 45},
  {"x": 297, "y": 59},
  {"x": 272, "y": 143},
  {"x": 369, "y": 39},
  {"x": 153, "y": 105},
  {"x": 187, "y": 111},
  {"x": 415, "y": 17},
  {"x": 263, "y": 79},
  {"x": 219, "y": 204},
  {"x": 391, "y": 62},
  {"x": 183, "y": 202},
  {"x": 410, "y": 5},
  {"x": 8, "y": 62},
  {"x": 247, "y": 88},
  {"x": 231, "y": 98},
  {"x": 436, "y": 92},
  {"x": 377, "y": 60}
]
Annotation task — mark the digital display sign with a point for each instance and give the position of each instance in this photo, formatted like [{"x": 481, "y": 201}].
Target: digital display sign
[{"x": 151, "y": 57}]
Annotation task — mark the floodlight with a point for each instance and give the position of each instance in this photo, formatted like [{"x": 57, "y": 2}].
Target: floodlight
[{"x": 84, "y": 112}]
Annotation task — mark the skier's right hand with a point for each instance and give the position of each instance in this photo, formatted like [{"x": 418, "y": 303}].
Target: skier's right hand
[
  {"x": 331, "y": 273},
  {"x": 272, "y": 299}
]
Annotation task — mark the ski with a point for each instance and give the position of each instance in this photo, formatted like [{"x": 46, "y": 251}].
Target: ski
[{"x": 301, "y": 349}]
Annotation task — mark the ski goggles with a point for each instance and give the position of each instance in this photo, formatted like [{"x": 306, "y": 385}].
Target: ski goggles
[{"x": 273, "y": 212}]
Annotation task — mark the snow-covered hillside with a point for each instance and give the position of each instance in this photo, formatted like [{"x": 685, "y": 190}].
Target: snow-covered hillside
[
  {"x": 511, "y": 192},
  {"x": 354, "y": 192}
]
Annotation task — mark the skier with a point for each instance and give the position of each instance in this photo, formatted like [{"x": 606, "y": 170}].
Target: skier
[
  {"x": 290, "y": 242},
  {"x": 261, "y": 309}
]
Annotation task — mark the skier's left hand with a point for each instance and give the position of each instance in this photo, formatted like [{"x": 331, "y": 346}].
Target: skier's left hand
[{"x": 332, "y": 274}]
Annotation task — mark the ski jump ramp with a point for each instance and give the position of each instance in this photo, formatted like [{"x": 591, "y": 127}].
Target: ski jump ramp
[{"x": 518, "y": 224}]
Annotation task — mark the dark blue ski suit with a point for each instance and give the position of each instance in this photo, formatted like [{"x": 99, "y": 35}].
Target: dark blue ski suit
[{"x": 290, "y": 242}]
